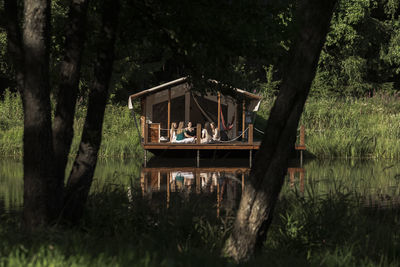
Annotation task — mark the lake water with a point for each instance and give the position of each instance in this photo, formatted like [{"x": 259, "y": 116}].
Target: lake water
[{"x": 377, "y": 181}]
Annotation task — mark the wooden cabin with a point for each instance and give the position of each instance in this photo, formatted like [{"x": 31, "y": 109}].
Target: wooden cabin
[{"x": 176, "y": 101}]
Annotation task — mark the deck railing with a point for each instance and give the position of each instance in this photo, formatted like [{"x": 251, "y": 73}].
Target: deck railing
[{"x": 152, "y": 134}]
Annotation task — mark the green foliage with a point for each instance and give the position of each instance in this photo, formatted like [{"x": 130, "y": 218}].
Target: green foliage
[
  {"x": 360, "y": 55},
  {"x": 11, "y": 124}
]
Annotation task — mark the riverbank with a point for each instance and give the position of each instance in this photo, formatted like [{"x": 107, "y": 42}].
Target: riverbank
[{"x": 335, "y": 128}]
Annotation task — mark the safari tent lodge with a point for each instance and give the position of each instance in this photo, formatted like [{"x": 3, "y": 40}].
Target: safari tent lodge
[{"x": 176, "y": 101}]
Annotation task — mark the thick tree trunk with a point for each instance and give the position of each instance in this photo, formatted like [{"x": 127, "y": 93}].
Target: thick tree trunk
[
  {"x": 38, "y": 150},
  {"x": 81, "y": 176},
  {"x": 267, "y": 175},
  {"x": 67, "y": 94}
]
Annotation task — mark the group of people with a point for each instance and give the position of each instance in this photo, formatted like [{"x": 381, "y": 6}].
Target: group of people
[{"x": 188, "y": 135}]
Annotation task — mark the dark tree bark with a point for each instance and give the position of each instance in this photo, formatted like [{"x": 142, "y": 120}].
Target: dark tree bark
[
  {"x": 38, "y": 149},
  {"x": 267, "y": 175},
  {"x": 81, "y": 176},
  {"x": 67, "y": 94}
]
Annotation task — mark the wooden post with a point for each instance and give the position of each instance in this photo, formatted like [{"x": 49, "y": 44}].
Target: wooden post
[
  {"x": 142, "y": 115},
  {"x": 242, "y": 182},
  {"x": 302, "y": 136},
  {"x": 169, "y": 111},
  {"x": 302, "y": 181},
  {"x": 250, "y": 134},
  {"x": 219, "y": 111},
  {"x": 291, "y": 175},
  {"x": 168, "y": 188},
  {"x": 218, "y": 198},
  {"x": 146, "y": 133},
  {"x": 198, "y": 133},
  {"x": 198, "y": 184},
  {"x": 237, "y": 120},
  {"x": 159, "y": 181},
  {"x": 250, "y": 158},
  {"x": 142, "y": 182},
  {"x": 302, "y": 143},
  {"x": 243, "y": 118}
]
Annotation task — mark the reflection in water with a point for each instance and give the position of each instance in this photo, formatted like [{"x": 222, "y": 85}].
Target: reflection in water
[
  {"x": 226, "y": 184},
  {"x": 378, "y": 182},
  {"x": 223, "y": 183}
]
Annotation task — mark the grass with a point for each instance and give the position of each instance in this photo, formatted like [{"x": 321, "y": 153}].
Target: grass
[
  {"x": 120, "y": 138},
  {"x": 335, "y": 128},
  {"x": 333, "y": 229},
  {"x": 349, "y": 127}
]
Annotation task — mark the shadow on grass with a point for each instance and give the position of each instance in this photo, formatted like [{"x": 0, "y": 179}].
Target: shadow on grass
[{"x": 331, "y": 230}]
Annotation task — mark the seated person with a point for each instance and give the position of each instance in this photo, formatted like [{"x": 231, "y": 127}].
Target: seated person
[
  {"x": 172, "y": 132},
  {"x": 180, "y": 135},
  {"x": 189, "y": 130},
  {"x": 206, "y": 134},
  {"x": 215, "y": 132}
]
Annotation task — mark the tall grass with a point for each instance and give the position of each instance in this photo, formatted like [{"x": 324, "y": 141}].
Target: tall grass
[
  {"x": 120, "y": 138},
  {"x": 335, "y": 127},
  {"x": 349, "y": 127}
]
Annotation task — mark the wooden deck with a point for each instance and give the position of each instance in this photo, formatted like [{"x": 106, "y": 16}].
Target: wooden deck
[
  {"x": 237, "y": 145},
  {"x": 151, "y": 142}
]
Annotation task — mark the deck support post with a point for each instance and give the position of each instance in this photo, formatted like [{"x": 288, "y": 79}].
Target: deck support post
[
  {"x": 219, "y": 111},
  {"x": 243, "y": 118},
  {"x": 250, "y": 158},
  {"x": 145, "y": 158},
  {"x": 302, "y": 143},
  {"x": 198, "y": 158},
  {"x": 169, "y": 112},
  {"x": 242, "y": 181},
  {"x": 198, "y": 133},
  {"x": 250, "y": 134},
  {"x": 301, "y": 158}
]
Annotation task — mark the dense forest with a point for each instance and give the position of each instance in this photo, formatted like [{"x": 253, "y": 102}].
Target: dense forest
[{"x": 242, "y": 43}]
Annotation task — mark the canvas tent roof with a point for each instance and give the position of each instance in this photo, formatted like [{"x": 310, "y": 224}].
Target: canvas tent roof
[{"x": 164, "y": 86}]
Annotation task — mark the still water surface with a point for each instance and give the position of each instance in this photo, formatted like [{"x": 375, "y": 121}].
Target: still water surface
[{"x": 377, "y": 181}]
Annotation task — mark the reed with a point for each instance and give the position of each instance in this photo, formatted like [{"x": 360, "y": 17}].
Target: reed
[
  {"x": 366, "y": 127},
  {"x": 120, "y": 138},
  {"x": 335, "y": 127}
]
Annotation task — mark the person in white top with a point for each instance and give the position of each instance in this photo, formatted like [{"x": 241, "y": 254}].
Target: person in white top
[
  {"x": 215, "y": 132},
  {"x": 172, "y": 132},
  {"x": 206, "y": 134}
]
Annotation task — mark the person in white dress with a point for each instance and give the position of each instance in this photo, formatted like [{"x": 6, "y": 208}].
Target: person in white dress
[{"x": 206, "y": 134}]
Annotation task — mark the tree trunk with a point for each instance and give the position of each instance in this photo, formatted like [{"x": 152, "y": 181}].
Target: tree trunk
[
  {"x": 38, "y": 150},
  {"x": 81, "y": 176},
  {"x": 267, "y": 175},
  {"x": 67, "y": 94}
]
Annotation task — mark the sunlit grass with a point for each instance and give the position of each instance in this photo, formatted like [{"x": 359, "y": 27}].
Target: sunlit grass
[
  {"x": 349, "y": 127},
  {"x": 120, "y": 137}
]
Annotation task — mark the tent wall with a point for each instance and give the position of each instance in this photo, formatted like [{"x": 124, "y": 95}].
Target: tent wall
[{"x": 183, "y": 107}]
